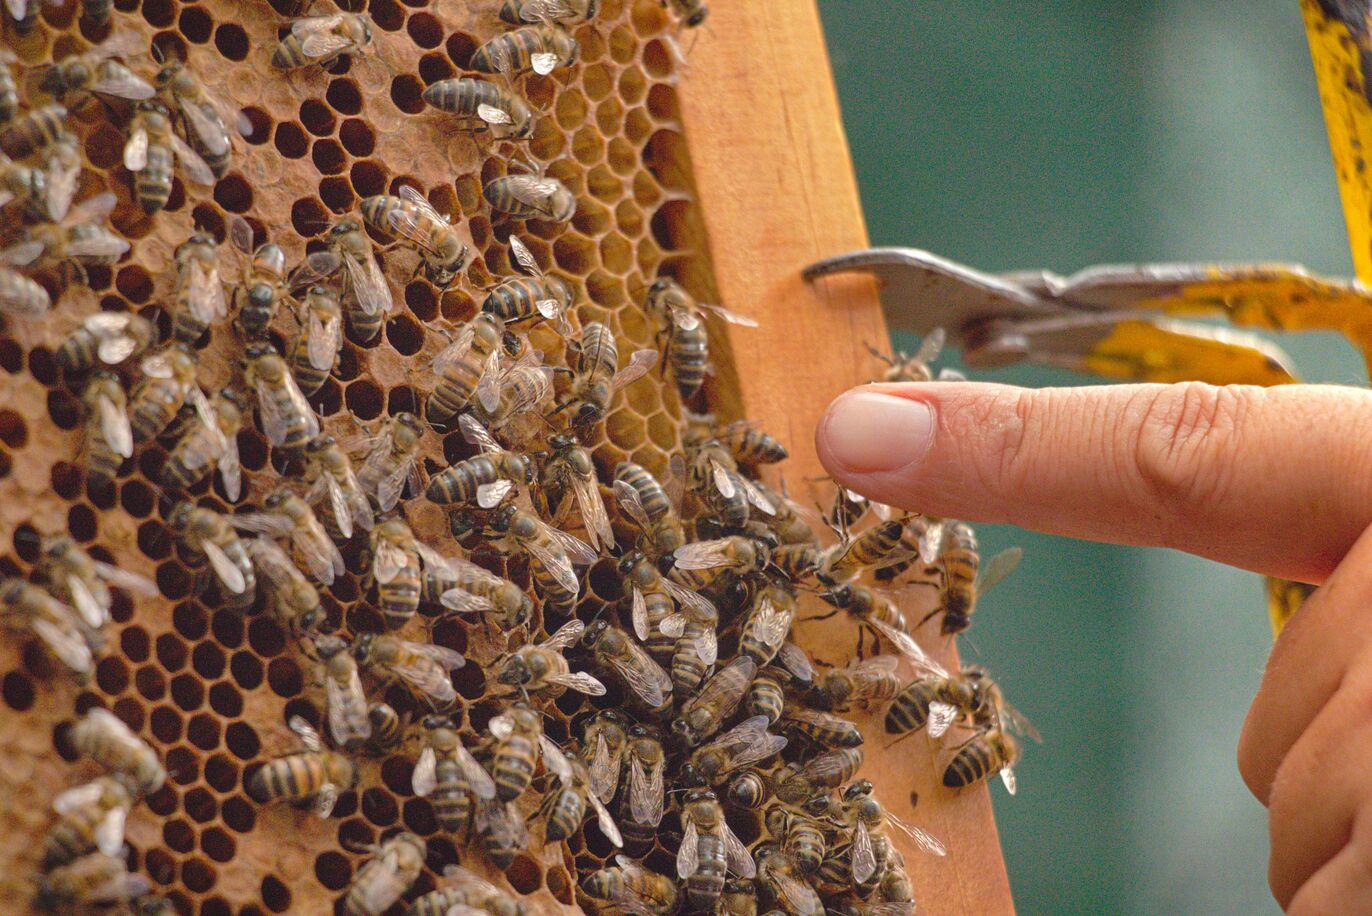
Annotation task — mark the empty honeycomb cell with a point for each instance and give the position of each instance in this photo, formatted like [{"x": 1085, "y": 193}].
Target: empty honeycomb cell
[
  {"x": 387, "y": 14},
  {"x": 196, "y": 24},
  {"x": 200, "y": 805},
  {"x": 328, "y": 157},
  {"x": 329, "y": 400},
  {"x": 402, "y": 399},
  {"x": 355, "y": 833},
  {"x": 629, "y": 218},
  {"x": 160, "y": 866},
  {"x": 42, "y": 366},
  {"x": 421, "y": 301},
  {"x": 670, "y": 225},
  {"x": 623, "y": 44},
  {"x": 81, "y": 523},
  {"x": 208, "y": 660},
  {"x": 317, "y": 118},
  {"x": 344, "y": 96},
  {"x": 609, "y": 116},
  {"x": 275, "y": 895},
  {"x": 178, "y": 834},
  {"x": 203, "y": 731},
  {"x": 216, "y": 906},
  {"x": 657, "y": 60},
  {"x": 396, "y": 773},
  {"x": 633, "y": 86},
  {"x": 379, "y": 807},
  {"x": 284, "y": 677},
  {"x": 368, "y": 178},
  {"x": 165, "y": 723},
  {"x": 291, "y": 140},
  {"x": 134, "y": 644},
  {"x": 242, "y": 741},
  {"x": 662, "y": 429},
  {"x": 333, "y": 870},
  {"x": 134, "y": 283},
  {"x": 64, "y": 410},
  {"x": 524, "y": 874},
  {"x": 14, "y": 432},
  {"x": 357, "y": 137},
  {"x": 190, "y": 619},
  {"x": 364, "y": 398},
  {"x": 418, "y": 816},
  {"x": 182, "y": 765},
  {"x": 17, "y": 690},
  {"x": 158, "y": 13},
  {"x": 198, "y": 875},
  {"x": 226, "y": 700},
  {"x": 137, "y": 498},
  {"x": 171, "y": 652},
  {"x": 406, "y": 93},
  {"x": 231, "y": 41},
  {"x": 606, "y": 289},
  {"x": 208, "y": 219},
  {"x": 11, "y": 355},
  {"x": 187, "y": 692},
  {"x": 459, "y": 47},
  {"x": 252, "y": 451},
  {"x": 576, "y": 254},
  {"x": 425, "y": 30},
  {"x": 237, "y": 814},
  {"x": 216, "y": 843},
  {"x": 622, "y": 157},
  {"x": 598, "y": 81},
  {"x": 605, "y": 184},
  {"x": 111, "y": 674},
  {"x": 308, "y": 216}
]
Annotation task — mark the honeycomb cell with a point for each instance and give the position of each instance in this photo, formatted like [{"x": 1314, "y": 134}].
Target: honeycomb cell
[
  {"x": 178, "y": 834},
  {"x": 275, "y": 895},
  {"x": 333, "y": 870},
  {"x": 231, "y": 41},
  {"x": 187, "y": 692},
  {"x": 406, "y": 94},
  {"x": 368, "y": 178},
  {"x": 387, "y": 14},
  {"x": 111, "y": 674},
  {"x": 242, "y": 741},
  {"x": 17, "y": 690},
  {"x": 171, "y": 652},
  {"x": 328, "y": 157},
  {"x": 195, "y": 24},
  {"x": 63, "y": 409},
  {"x": 588, "y": 146},
  {"x": 198, "y": 875},
  {"x": 238, "y": 815},
  {"x": 203, "y": 731},
  {"x": 226, "y": 700},
  {"x": 160, "y": 866},
  {"x": 308, "y": 216},
  {"x": 291, "y": 140},
  {"x": 165, "y": 724},
  {"x": 189, "y": 618},
  {"x": 183, "y": 766},
  {"x": 317, "y": 118},
  {"x": 524, "y": 875}
]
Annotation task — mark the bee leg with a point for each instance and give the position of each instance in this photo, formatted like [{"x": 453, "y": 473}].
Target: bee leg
[{"x": 824, "y": 616}]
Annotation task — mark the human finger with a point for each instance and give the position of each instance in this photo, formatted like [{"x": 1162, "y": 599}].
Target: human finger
[{"x": 1268, "y": 479}]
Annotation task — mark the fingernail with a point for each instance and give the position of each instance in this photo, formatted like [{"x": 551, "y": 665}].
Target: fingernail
[{"x": 867, "y": 432}]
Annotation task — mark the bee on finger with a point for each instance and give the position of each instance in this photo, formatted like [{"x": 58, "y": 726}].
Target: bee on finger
[
  {"x": 543, "y": 667},
  {"x": 322, "y": 40},
  {"x": 381, "y": 881},
  {"x": 208, "y": 534},
  {"x": 109, "y": 431},
  {"x": 291, "y": 599},
  {"x": 481, "y": 105},
  {"x": 449, "y": 776},
  {"x": 315, "y": 351},
  {"x": 286, "y": 515},
  {"x": 688, "y": 349},
  {"x": 392, "y": 461},
  {"x": 152, "y": 149},
  {"x": 209, "y": 443},
  {"x": 965, "y": 579},
  {"x": 409, "y": 215},
  {"x": 423, "y": 667},
  {"x": 913, "y": 367},
  {"x": 488, "y": 479},
  {"x": 286, "y": 417},
  {"x": 542, "y": 47},
  {"x": 105, "y": 339},
  {"x": 314, "y": 774}
]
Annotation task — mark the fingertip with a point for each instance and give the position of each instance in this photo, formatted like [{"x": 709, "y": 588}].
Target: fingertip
[{"x": 875, "y": 431}]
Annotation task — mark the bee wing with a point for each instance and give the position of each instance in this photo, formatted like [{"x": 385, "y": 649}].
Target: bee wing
[
  {"x": 579, "y": 681},
  {"x": 492, "y": 115},
  {"x": 723, "y": 479},
  {"x": 275, "y": 419},
  {"x": 554, "y": 759},
  {"x": 922, "y": 838},
  {"x": 500, "y": 727},
  {"x": 476, "y": 434},
  {"x": 604, "y": 774},
  {"x": 136, "y": 150},
  {"x": 317, "y": 267},
  {"x": 85, "y": 604},
  {"x": 115, "y": 427},
  {"x": 455, "y": 599},
  {"x": 702, "y": 555},
  {"x": 795, "y": 660},
  {"x": 1011, "y": 719},
  {"x": 78, "y": 797},
  {"x": 580, "y": 553},
  {"x": 387, "y": 561},
  {"x": 941, "y": 718},
  {"x": 109, "y": 833},
  {"x": 770, "y": 623},
  {"x": 863, "y": 858},
  {"x": 706, "y": 645},
  {"x": 688, "y": 854},
  {"x": 1007, "y": 776},
  {"x": 557, "y": 564},
  {"x": 124, "y": 83},
  {"x": 997, "y": 568},
  {"x": 647, "y": 797},
  {"x": 906, "y": 645},
  {"x": 606, "y": 822},
  {"x": 700, "y": 606},
  {"x": 931, "y": 346},
  {"x": 271, "y": 524},
  {"x": 739, "y": 859},
  {"x": 523, "y": 257},
  {"x": 642, "y": 628},
  {"x": 340, "y": 699},
  {"x": 100, "y": 245},
  {"x": 685, "y": 318},
  {"x": 196, "y": 169},
  {"x": 488, "y": 386},
  {"x": 390, "y": 487},
  {"x": 206, "y": 126},
  {"x": 325, "y": 799},
  {"x": 369, "y": 285},
  {"x": 432, "y": 558},
  {"x": 421, "y": 203},
  {"x": 93, "y": 209},
  {"x": 626, "y": 497},
  {"x": 533, "y": 191},
  {"x": 445, "y": 658},
  {"x": 430, "y": 680},
  {"x": 62, "y": 177},
  {"x": 313, "y": 25},
  {"x": 645, "y": 678},
  {"x": 230, "y": 471},
  {"x": 640, "y": 362},
  {"x": 731, "y": 317},
  {"x": 756, "y": 496},
  {"x": 593, "y": 512},
  {"x": 566, "y": 635},
  {"x": 931, "y": 543},
  {"x": 877, "y": 664},
  {"x": 673, "y": 625},
  {"x": 425, "y": 778},
  {"x": 324, "y": 45},
  {"x": 322, "y": 340},
  {"x": 544, "y": 62},
  {"x": 21, "y": 254},
  {"x": 338, "y": 505},
  {"x": 206, "y": 292},
  {"x": 306, "y": 733},
  {"x": 752, "y": 741},
  {"x": 229, "y": 574},
  {"x": 478, "y": 780},
  {"x": 69, "y": 648},
  {"x": 158, "y": 365}
]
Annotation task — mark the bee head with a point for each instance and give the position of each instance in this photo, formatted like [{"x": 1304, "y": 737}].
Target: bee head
[
  {"x": 436, "y": 721},
  {"x": 180, "y": 516},
  {"x": 594, "y": 632},
  {"x": 629, "y": 561},
  {"x": 11, "y": 589},
  {"x": 503, "y": 517},
  {"x": 326, "y": 647},
  {"x": 410, "y": 422},
  {"x": 258, "y": 350},
  {"x": 697, "y": 17},
  {"x": 311, "y": 619},
  {"x": 515, "y": 672},
  {"x": 320, "y": 443},
  {"x": 362, "y": 646},
  {"x": 560, "y": 441}
]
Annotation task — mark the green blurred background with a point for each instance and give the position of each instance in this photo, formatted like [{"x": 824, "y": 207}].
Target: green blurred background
[{"x": 1061, "y": 134}]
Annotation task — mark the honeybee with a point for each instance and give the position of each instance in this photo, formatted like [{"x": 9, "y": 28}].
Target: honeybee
[
  {"x": 322, "y": 40},
  {"x": 819, "y": 775},
  {"x": 77, "y": 578},
  {"x": 388, "y": 727},
  {"x": 767, "y": 695},
  {"x": 748, "y": 444},
  {"x": 487, "y": 479},
  {"x": 745, "y": 745},
  {"x": 514, "y": 752},
  {"x": 534, "y": 295},
  {"x": 24, "y": 14},
  {"x": 701, "y": 562},
  {"x": 630, "y": 888},
  {"x": 202, "y": 117},
  {"x": 542, "y": 666},
  {"x": 471, "y": 358},
  {"x": 27, "y": 185},
  {"x": 768, "y": 624},
  {"x": 392, "y": 461},
  {"x": 653, "y": 599},
  {"x": 480, "y": 105},
  {"x": 922, "y": 540},
  {"x": 422, "y": 666},
  {"x": 570, "y": 467},
  {"x": 985, "y": 753},
  {"x": 150, "y": 152},
  {"x": 801, "y": 836},
  {"x": 380, "y": 882},
  {"x": 516, "y": 12},
  {"x": 688, "y": 349},
  {"x": 9, "y": 88},
  {"x": 782, "y": 883},
  {"x": 877, "y": 610},
  {"x": 335, "y": 490},
  {"x": 22, "y": 297},
  {"x": 603, "y": 743},
  {"x": 871, "y": 847},
  {"x": 94, "y": 882},
  {"x": 502, "y": 830},
  {"x": 286, "y": 515},
  {"x": 749, "y": 790},
  {"x": 691, "y": 12},
  {"x": 97, "y": 14},
  {"x": 644, "y": 801},
  {"x": 709, "y": 850},
  {"x": 703, "y": 714},
  {"x": 61, "y": 172},
  {"x": 520, "y": 386},
  {"x": 109, "y": 435},
  {"x": 913, "y": 367},
  {"x": 209, "y": 534},
  {"x": 964, "y": 580},
  {"x": 937, "y": 701},
  {"x": 823, "y": 729},
  {"x": 167, "y": 382},
  {"x": 449, "y": 775},
  {"x": 651, "y": 506},
  {"x": 410, "y": 216},
  {"x": 291, "y": 599},
  {"x": 860, "y": 682},
  {"x": 287, "y": 418},
  {"x": 880, "y": 545},
  {"x": 321, "y": 338},
  {"x": 33, "y": 130},
  {"x": 542, "y": 48},
  {"x": 531, "y": 197},
  {"x": 398, "y": 559},
  {"x": 366, "y": 297},
  {"x": 555, "y": 554},
  {"x": 91, "y": 817},
  {"x": 103, "y": 737},
  {"x": 346, "y": 701},
  {"x": 565, "y": 808},
  {"x": 616, "y": 653},
  {"x": 27, "y": 606},
  {"x": 462, "y": 586},
  {"x": 316, "y": 773},
  {"x": 107, "y": 338},
  {"x": 210, "y": 441},
  {"x": 80, "y": 239},
  {"x": 80, "y": 76},
  {"x": 713, "y": 475},
  {"x": 596, "y": 376},
  {"x": 261, "y": 291},
  {"x": 469, "y": 893}
]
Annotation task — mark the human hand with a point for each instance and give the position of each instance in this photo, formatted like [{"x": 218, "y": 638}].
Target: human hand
[{"x": 1276, "y": 480}]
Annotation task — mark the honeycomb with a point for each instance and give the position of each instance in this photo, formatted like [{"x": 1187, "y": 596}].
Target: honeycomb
[{"x": 212, "y": 689}]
